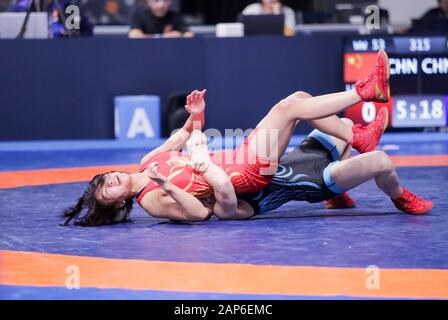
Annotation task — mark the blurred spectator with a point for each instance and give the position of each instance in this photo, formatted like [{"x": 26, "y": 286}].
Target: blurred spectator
[
  {"x": 157, "y": 19},
  {"x": 56, "y": 22},
  {"x": 438, "y": 13},
  {"x": 108, "y": 12},
  {"x": 434, "y": 20},
  {"x": 4, "y": 5},
  {"x": 274, "y": 7}
]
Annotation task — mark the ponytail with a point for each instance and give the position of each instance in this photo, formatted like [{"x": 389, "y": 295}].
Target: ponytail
[{"x": 74, "y": 211}]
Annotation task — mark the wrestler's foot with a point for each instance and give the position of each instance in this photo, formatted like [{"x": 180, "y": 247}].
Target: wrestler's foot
[
  {"x": 342, "y": 201},
  {"x": 411, "y": 203},
  {"x": 375, "y": 87},
  {"x": 366, "y": 138}
]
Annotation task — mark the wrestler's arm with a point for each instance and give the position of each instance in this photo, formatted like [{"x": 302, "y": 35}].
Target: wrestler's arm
[
  {"x": 195, "y": 106},
  {"x": 226, "y": 204},
  {"x": 225, "y": 198},
  {"x": 172, "y": 202},
  {"x": 244, "y": 210}
]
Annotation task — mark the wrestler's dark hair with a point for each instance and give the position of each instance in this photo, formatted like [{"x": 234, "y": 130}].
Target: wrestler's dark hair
[{"x": 96, "y": 214}]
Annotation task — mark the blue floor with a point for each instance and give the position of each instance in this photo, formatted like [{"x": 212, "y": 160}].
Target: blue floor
[
  {"x": 297, "y": 234},
  {"x": 373, "y": 233},
  {"x": 54, "y": 293}
]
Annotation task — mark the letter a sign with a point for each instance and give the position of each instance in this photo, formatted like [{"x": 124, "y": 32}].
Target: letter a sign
[{"x": 140, "y": 124}]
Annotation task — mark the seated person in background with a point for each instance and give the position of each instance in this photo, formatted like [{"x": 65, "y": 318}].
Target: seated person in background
[
  {"x": 156, "y": 19},
  {"x": 58, "y": 29},
  {"x": 4, "y": 5},
  {"x": 274, "y": 7},
  {"x": 430, "y": 20},
  {"x": 438, "y": 13}
]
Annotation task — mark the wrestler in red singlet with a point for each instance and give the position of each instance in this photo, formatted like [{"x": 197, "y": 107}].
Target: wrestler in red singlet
[{"x": 244, "y": 169}]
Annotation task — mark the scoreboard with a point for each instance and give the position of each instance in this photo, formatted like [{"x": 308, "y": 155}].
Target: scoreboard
[{"x": 419, "y": 78}]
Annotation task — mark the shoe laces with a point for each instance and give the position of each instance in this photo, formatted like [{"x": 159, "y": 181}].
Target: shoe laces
[
  {"x": 410, "y": 197},
  {"x": 372, "y": 74}
]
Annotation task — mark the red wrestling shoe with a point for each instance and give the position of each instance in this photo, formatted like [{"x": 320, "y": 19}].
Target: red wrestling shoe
[
  {"x": 411, "y": 203},
  {"x": 375, "y": 87},
  {"x": 341, "y": 201},
  {"x": 366, "y": 139}
]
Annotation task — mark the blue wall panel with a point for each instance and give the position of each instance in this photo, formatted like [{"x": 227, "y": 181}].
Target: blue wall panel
[{"x": 65, "y": 89}]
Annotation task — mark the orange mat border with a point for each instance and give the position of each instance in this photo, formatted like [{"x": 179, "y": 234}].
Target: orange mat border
[
  {"x": 49, "y": 270},
  {"x": 14, "y": 179}
]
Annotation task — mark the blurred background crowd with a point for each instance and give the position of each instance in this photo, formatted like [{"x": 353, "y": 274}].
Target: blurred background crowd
[{"x": 176, "y": 18}]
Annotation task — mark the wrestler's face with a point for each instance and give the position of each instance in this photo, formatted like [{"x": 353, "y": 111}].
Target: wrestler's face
[
  {"x": 159, "y": 8},
  {"x": 114, "y": 188}
]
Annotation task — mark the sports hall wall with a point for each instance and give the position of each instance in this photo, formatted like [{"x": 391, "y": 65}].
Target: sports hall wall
[{"x": 65, "y": 89}]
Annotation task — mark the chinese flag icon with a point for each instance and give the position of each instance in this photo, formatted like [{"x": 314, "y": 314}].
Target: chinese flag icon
[{"x": 358, "y": 65}]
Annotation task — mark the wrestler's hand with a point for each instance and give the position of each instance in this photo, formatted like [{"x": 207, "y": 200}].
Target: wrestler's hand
[
  {"x": 196, "y": 107},
  {"x": 200, "y": 159},
  {"x": 155, "y": 175},
  {"x": 196, "y": 102},
  {"x": 198, "y": 151}
]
